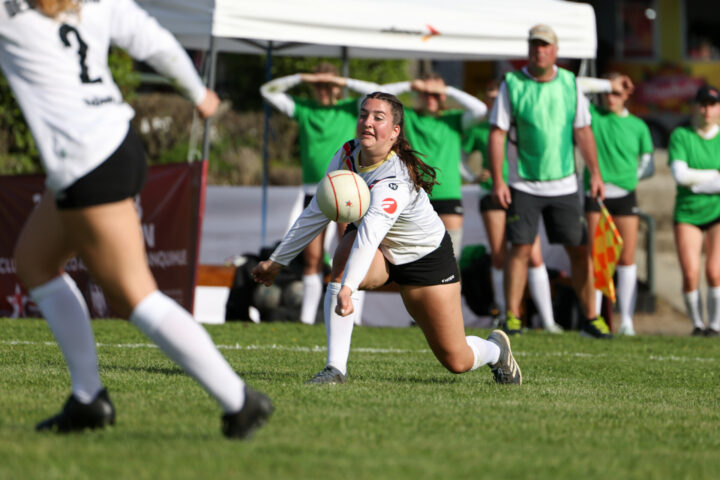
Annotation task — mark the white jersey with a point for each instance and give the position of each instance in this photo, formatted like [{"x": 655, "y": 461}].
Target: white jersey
[
  {"x": 58, "y": 71},
  {"x": 400, "y": 220}
]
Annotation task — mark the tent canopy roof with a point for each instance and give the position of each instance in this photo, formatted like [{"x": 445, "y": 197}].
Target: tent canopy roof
[{"x": 428, "y": 29}]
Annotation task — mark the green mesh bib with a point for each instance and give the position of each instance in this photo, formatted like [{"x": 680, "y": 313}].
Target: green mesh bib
[{"x": 544, "y": 114}]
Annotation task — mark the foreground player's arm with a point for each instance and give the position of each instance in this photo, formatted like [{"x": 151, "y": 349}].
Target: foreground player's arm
[
  {"x": 372, "y": 230},
  {"x": 133, "y": 30}
]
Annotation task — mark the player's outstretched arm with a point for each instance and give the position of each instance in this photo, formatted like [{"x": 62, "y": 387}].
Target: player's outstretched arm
[{"x": 266, "y": 271}]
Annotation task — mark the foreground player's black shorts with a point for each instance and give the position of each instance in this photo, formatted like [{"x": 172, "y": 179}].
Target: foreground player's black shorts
[
  {"x": 438, "y": 267},
  {"x": 488, "y": 203},
  {"x": 119, "y": 177}
]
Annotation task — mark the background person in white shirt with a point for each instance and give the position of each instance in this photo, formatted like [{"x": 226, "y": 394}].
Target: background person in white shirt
[
  {"x": 54, "y": 55},
  {"x": 400, "y": 240}
]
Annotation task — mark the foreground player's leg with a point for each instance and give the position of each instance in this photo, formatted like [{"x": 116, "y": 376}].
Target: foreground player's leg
[
  {"x": 110, "y": 242},
  {"x": 339, "y": 334},
  {"x": 437, "y": 310}
]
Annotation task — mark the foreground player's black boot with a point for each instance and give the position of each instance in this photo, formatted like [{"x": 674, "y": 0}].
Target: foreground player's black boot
[
  {"x": 76, "y": 416},
  {"x": 253, "y": 415}
]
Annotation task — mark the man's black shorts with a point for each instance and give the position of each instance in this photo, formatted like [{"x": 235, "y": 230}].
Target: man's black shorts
[{"x": 563, "y": 217}]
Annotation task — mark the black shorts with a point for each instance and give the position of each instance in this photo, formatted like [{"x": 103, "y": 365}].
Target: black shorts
[
  {"x": 626, "y": 205},
  {"x": 119, "y": 177},
  {"x": 307, "y": 200},
  {"x": 488, "y": 203},
  {"x": 705, "y": 226},
  {"x": 446, "y": 207},
  {"x": 563, "y": 217},
  {"x": 438, "y": 267}
]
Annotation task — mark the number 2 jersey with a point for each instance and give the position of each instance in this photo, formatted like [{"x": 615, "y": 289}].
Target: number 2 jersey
[
  {"x": 57, "y": 68},
  {"x": 400, "y": 220}
]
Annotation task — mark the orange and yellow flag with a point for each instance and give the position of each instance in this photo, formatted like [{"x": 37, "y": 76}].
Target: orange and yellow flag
[{"x": 607, "y": 245}]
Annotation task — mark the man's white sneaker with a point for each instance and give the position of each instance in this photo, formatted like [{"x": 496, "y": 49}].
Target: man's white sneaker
[
  {"x": 627, "y": 330},
  {"x": 554, "y": 328}
]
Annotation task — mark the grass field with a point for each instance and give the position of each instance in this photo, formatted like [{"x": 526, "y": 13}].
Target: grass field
[{"x": 644, "y": 407}]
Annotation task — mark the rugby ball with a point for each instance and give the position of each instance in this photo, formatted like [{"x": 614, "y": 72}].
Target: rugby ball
[{"x": 343, "y": 196}]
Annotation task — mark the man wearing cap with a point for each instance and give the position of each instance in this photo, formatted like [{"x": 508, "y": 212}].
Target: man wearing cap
[{"x": 542, "y": 108}]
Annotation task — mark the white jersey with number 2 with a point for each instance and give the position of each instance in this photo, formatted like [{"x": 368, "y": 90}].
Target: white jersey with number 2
[
  {"x": 57, "y": 68},
  {"x": 400, "y": 220}
]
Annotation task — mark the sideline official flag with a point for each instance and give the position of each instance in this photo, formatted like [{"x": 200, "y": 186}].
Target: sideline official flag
[{"x": 607, "y": 245}]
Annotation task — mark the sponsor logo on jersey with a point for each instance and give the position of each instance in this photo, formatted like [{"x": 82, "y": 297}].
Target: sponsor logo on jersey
[
  {"x": 393, "y": 186},
  {"x": 389, "y": 205}
]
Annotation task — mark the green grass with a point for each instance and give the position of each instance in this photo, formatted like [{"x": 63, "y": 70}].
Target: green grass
[{"x": 645, "y": 407}]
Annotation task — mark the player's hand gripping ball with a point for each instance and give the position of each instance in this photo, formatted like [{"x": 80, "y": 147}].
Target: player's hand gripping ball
[{"x": 343, "y": 196}]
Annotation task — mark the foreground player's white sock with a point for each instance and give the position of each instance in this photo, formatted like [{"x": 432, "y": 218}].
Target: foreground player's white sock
[
  {"x": 358, "y": 304},
  {"x": 626, "y": 292},
  {"x": 693, "y": 302},
  {"x": 66, "y": 312},
  {"x": 539, "y": 285},
  {"x": 312, "y": 291},
  {"x": 485, "y": 352},
  {"x": 339, "y": 329},
  {"x": 598, "y": 301},
  {"x": 713, "y": 303},
  {"x": 189, "y": 345},
  {"x": 497, "y": 275}
]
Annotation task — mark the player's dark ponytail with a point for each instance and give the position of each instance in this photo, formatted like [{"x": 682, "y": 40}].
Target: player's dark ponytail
[{"x": 422, "y": 174}]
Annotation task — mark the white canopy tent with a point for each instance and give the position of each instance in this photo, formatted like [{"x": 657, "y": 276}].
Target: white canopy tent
[
  {"x": 423, "y": 29},
  {"x": 428, "y": 29}
]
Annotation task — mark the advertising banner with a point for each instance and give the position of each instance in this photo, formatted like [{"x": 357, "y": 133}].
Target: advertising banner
[{"x": 170, "y": 207}]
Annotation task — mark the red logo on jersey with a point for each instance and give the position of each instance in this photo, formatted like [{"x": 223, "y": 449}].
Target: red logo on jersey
[{"x": 389, "y": 205}]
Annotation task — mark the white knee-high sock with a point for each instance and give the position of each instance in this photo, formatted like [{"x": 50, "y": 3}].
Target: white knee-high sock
[
  {"x": 693, "y": 302},
  {"x": 598, "y": 301},
  {"x": 339, "y": 329},
  {"x": 626, "y": 292},
  {"x": 497, "y": 275},
  {"x": 66, "y": 312},
  {"x": 713, "y": 304},
  {"x": 539, "y": 284},
  {"x": 312, "y": 291},
  {"x": 485, "y": 352},
  {"x": 358, "y": 303},
  {"x": 189, "y": 345}
]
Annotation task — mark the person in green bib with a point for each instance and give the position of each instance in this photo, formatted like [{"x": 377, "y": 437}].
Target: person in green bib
[
  {"x": 325, "y": 123},
  {"x": 494, "y": 216},
  {"x": 542, "y": 109},
  {"x": 624, "y": 149},
  {"x": 694, "y": 156},
  {"x": 436, "y": 132}
]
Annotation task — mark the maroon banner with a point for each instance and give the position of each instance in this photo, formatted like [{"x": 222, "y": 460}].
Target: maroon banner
[{"x": 171, "y": 207}]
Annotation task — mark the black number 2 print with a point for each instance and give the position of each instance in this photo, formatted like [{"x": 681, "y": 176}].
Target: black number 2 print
[{"x": 65, "y": 31}]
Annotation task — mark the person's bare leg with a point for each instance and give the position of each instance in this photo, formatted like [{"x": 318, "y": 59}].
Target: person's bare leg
[
  {"x": 688, "y": 244},
  {"x": 516, "y": 272},
  {"x": 494, "y": 221},
  {"x": 454, "y": 226},
  {"x": 712, "y": 276},
  {"x": 539, "y": 286}
]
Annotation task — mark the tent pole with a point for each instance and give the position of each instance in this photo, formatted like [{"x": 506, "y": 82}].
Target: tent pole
[
  {"x": 266, "y": 133},
  {"x": 210, "y": 83},
  {"x": 345, "y": 70}
]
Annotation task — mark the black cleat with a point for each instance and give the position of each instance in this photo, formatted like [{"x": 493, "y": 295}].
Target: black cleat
[
  {"x": 253, "y": 415},
  {"x": 76, "y": 416},
  {"x": 698, "y": 332},
  {"x": 328, "y": 376},
  {"x": 711, "y": 332}
]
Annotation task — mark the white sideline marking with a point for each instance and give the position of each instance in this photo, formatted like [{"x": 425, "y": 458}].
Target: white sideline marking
[{"x": 318, "y": 348}]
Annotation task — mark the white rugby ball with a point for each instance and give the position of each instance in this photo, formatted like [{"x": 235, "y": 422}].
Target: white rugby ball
[{"x": 343, "y": 196}]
